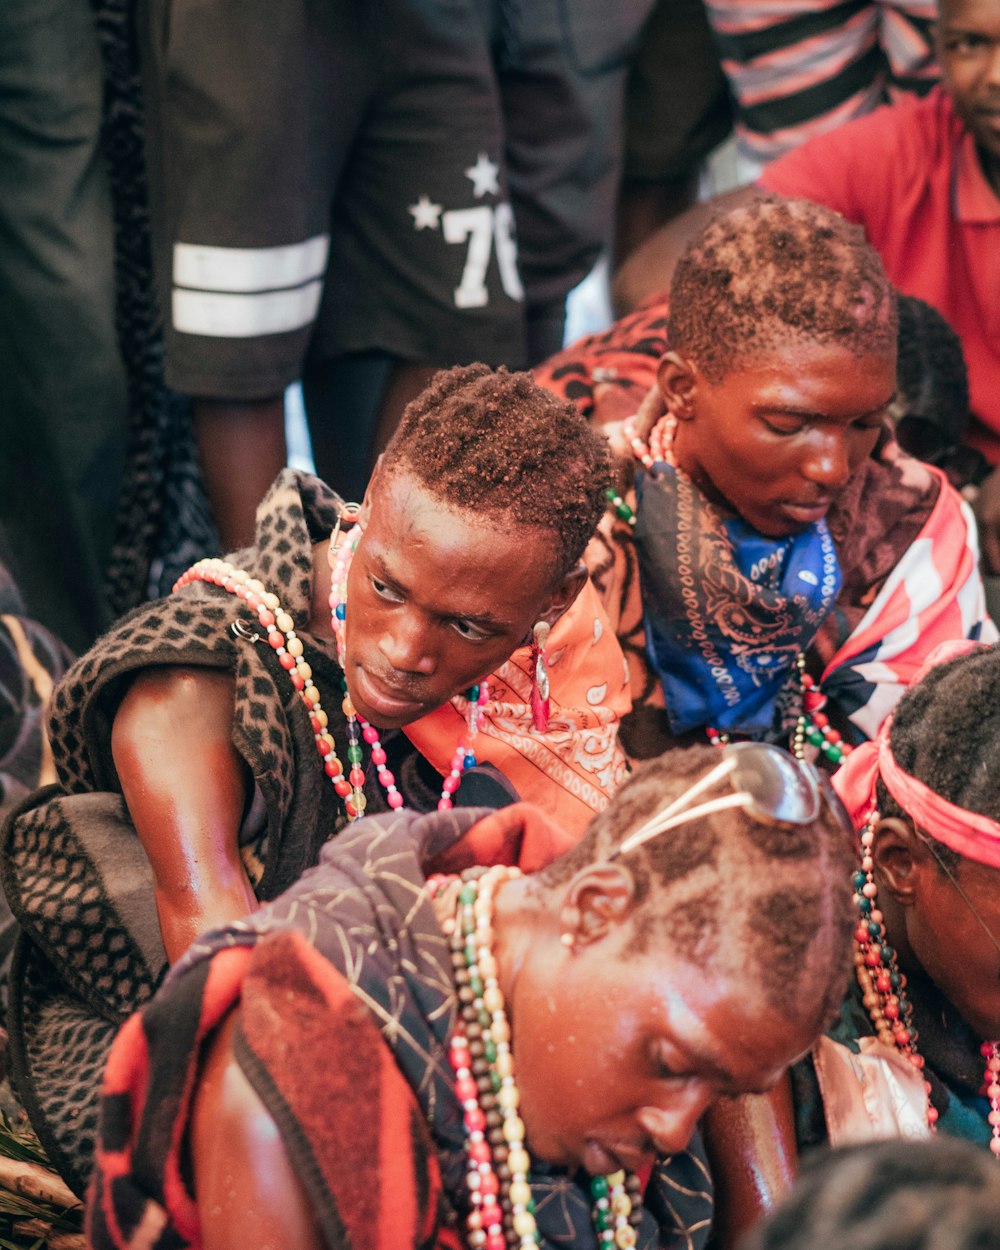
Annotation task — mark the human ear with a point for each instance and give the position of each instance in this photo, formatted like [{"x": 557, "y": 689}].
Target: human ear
[
  {"x": 677, "y": 382},
  {"x": 565, "y": 594},
  {"x": 899, "y": 859},
  {"x": 599, "y": 897}
]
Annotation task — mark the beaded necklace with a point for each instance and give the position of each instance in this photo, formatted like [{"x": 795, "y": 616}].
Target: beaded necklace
[
  {"x": 279, "y": 628},
  {"x": 812, "y": 725},
  {"x": 472, "y": 704},
  {"x": 883, "y": 989},
  {"x": 501, "y": 1213}
]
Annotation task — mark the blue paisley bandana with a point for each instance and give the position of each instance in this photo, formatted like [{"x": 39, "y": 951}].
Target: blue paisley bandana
[{"x": 727, "y": 610}]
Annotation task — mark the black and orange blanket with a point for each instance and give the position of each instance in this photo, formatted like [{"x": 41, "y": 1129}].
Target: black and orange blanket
[{"x": 346, "y": 1003}]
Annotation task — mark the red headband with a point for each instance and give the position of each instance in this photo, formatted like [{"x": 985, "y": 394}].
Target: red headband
[{"x": 971, "y": 835}]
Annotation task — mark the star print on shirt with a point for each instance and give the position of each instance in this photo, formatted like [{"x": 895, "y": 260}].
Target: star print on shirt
[
  {"x": 426, "y": 215},
  {"x": 484, "y": 176}
]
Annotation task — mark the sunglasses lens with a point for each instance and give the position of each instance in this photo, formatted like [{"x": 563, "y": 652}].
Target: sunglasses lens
[{"x": 781, "y": 788}]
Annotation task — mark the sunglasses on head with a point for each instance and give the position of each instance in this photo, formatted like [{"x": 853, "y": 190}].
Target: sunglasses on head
[{"x": 769, "y": 784}]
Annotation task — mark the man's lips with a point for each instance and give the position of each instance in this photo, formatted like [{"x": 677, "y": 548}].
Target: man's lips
[
  {"x": 806, "y": 513},
  {"x": 384, "y": 698},
  {"x": 601, "y": 1158}
]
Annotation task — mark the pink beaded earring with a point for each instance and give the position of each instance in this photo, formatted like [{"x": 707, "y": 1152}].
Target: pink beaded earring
[{"x": 539, "y": 677}]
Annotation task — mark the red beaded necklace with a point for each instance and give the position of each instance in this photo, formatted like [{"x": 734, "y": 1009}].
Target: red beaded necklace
[
  {"x": 812, "y": 726},
  {"x": 883, "y": 989},
  {"x": 501, "y": 1211}
]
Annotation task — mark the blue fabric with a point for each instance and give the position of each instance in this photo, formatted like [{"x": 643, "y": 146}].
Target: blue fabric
[{"x": 727, "y": 610}]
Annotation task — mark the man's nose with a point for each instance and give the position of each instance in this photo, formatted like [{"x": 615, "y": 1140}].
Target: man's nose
[
  {"x": 827, "y": 463},
  {"x": 406, "y": 645},
  {"x": 671, "y": 1125}
]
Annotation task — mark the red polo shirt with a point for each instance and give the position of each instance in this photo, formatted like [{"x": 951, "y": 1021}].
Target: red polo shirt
[{"x": 909, "y": 174}]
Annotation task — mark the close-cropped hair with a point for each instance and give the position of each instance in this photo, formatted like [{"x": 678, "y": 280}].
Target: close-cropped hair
[
  {"x": 768, "y": 901},
  {"x": 497, "y": 443},
  {"x": 776, "y": 271},
  {"x": 944, "y": 732},
  {"x": 939, "y": 1194}
]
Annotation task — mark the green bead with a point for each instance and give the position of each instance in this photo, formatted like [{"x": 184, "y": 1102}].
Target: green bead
[
  {"x": 598, "y": 1187},
  {"x": 815, "y": 737},
  {"x": 624, "y": 512},
  {"x": 476, "y": 985},
  {"x": 496, "y": 1082},
  {"x": 354, "y": 754},
  {"x": 490, "y": 1050},
  {"x": 470, "y": 953},
  {"x": 468, "y": 895},
  {"x": 603, "y": 1220}
]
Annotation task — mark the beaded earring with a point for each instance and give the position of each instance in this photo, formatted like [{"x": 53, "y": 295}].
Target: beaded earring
[{"x": 539, "y": 677}]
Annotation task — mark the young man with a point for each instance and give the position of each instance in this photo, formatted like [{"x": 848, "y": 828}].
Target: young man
[
  {"x": 211, "y": 742},
  {"x": 923, "y": 179},
  {"x": 334, "y": 1056},
  {"x": 779, "y": 550}
]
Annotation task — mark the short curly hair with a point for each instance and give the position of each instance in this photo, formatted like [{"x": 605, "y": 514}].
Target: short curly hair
[
  {"x": 776, "y": 270},
  {"x": 498, "y": 443},
  {"x": 769, "y": 903}
]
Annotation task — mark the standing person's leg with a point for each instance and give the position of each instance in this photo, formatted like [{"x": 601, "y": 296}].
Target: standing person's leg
[
  {"x": 677, "y": 110},
  {"x": 62, "y": 383},
  {"x": 423, "y": 258},
  {"x": 252, "y": 109}
]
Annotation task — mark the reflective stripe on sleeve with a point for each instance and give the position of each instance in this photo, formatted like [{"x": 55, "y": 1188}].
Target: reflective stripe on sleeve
[
  {"x": 238, "y": 269},
  {"x": 243, "y": 316}
]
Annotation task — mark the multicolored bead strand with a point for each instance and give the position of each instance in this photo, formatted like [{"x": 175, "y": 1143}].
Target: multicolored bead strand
[
  {"x": 280, "y": 633},
  {"x": 883, "y": 989},
  {"x": 464, "y": 756},
  {"x": 811, "y": 725},
  {"x": 617, "y": 1209},
  {"x": 502, "y": 1212},
  {"x": 621, "y": 509},
  {"x": 990, "y": 1051}
]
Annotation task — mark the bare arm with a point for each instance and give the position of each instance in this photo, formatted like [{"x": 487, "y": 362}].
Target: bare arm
[
  {"x": 650, "y": 267},
  {"x": 247, "y": 1192},
  {"x": 186, "y": 788},
  {"x": 753, "y": 1155}
]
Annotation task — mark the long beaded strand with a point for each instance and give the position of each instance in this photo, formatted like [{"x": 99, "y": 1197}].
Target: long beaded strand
[
  {"x": 501, "y": 1215},
  {"x": 812, "y": 725},
  {"x": 464, "y": 756},
  {"x": 883, "y": 989},
  {"x": 280, "y": 633}
]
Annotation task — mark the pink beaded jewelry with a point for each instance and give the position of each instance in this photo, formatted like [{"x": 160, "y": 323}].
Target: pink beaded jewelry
[
  {"x": 883, "y": 988},
  {"x": 464, "y": 757},
  {"x": 280, "y": 633},
  {"x": 501, "y": 1211},
  {"x": 812, "y": 725}
]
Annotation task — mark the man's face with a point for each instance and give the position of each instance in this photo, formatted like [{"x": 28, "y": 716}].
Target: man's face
[
  {"x": 968, "y": 45},
  {"x": 777, "y": 439},
  {"x": 618, "y": 1053},
  {"x": 437, "y": 599}
]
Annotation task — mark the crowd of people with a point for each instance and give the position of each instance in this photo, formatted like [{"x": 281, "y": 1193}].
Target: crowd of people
[{"x": 573, "y": 805}]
